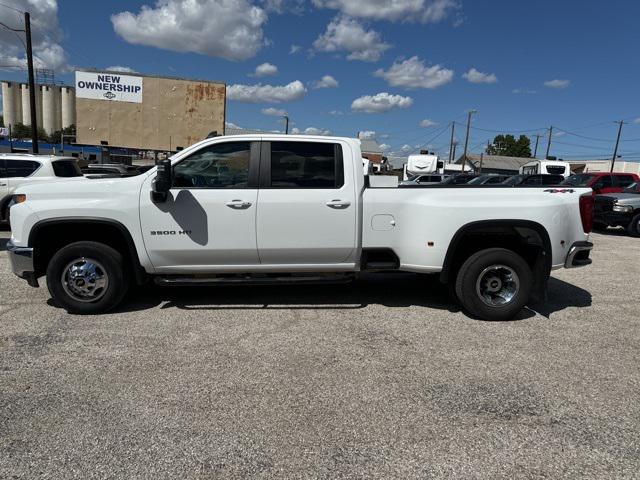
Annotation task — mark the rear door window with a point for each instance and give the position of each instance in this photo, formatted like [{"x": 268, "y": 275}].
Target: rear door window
[
  {"x": 21, "y": 168},
  {"x": 306, "y": 165},
  {"x": 66, "y": 168},
  {"x": 624, "y": 180}
]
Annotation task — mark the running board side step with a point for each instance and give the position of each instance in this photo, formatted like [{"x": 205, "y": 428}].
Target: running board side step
[{"x": 249, "y": 280}]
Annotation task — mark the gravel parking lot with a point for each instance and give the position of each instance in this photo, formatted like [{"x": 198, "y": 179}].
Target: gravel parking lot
[{"x": 384, "y": 378}]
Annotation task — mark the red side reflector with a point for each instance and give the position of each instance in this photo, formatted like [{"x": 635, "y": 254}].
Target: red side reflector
[{"x": 586, "y": 212}]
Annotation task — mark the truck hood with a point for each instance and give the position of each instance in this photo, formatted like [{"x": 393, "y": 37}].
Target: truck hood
[
  {"x": 82, "y": 187},
  {"x": 624, "y": 198}
]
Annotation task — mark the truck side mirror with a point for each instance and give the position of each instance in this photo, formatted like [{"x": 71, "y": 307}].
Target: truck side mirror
[{"x": 163, "y": 182}]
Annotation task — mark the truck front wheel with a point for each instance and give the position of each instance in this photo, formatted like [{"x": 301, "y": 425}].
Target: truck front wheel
[
  {"x": 634, "y": 226},
  {"x": 87, "y": 278},
  {"x": 494, "y": 284}
]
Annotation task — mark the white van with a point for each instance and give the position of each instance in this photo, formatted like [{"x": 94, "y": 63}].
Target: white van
[{"x": 552, "y": 167}]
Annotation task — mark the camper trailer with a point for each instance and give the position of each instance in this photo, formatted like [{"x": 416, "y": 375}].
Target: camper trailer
[
  {"x": 551, "y": 167},
  {"x": 422, "y": 163}
]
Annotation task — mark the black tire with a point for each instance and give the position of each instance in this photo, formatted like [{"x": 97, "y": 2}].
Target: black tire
[
  {"x": 468, "y": 283},
  {"x": 633, "y": 228},
  {"x": 110, "y": 264},
  {"x": 599, "y": 227}
]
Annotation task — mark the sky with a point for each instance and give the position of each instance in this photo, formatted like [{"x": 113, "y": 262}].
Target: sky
[{"x": 399, "y": 70}]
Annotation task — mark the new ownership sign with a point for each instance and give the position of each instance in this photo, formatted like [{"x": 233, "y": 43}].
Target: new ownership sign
[{"x": 109, "y": 86}]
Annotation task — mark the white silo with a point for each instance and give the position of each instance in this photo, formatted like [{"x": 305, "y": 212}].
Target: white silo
[
  {"x": 51, "y": 115},
  {"x": 68, "y": 104},
  {"x": 39, "y": 105},
  {"x": 11, "y": 103},
  {"x": 25, "y": 104}
]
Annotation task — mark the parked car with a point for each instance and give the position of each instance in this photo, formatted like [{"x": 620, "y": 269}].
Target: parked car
[
  {"x": 602, "y": 182},
  {"x": 537, "y": 180},
  {"x": 459, "y": 179},
  {"x": 274, "y": 209},
  {"x": 20, "y": 169},
  {"x": 489, "y": 179},
  {"x": 619, "y": 210},
  {"x": 430, "y": 179}
]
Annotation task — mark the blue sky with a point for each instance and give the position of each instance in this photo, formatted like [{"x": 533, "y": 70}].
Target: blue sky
[{"x": 418, "y": 53}]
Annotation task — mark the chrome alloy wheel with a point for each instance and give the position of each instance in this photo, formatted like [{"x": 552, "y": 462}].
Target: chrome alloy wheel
[
  {"x": 85, "y": 280},
  {"x": 497, "y": 285}
]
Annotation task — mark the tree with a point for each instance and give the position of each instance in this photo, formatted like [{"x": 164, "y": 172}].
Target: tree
[
  {"x": 507, "y": 145},
  {"x": 21, "y": 131},
  {"x": 56, "y": 136}
]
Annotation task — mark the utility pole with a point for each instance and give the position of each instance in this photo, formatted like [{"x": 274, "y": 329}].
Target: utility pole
[
  {"x": 549, "y": 142},
  {"x": 286, "y": 124},
  {"x": 455, "y": 144},
  {"x": 535, "y": 152},
  {"x": 615, "y": 151},
  {"x": 451, "y": 150},
  {"x": 32, "y": 86},
  {"x": 466, "y": 140},
  {"x": 481, "y": 159}
]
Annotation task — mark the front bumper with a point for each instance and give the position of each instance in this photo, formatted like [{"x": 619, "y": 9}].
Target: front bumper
[
  {"x": 613, "y": 219},
  {"x": 578, "y": 255},
  {"x": 21, "y": 259}
]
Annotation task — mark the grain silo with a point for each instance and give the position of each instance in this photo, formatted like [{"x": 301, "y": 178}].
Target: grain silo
[
  {"x": 26, "y": 105},
  {"x": 51, "y": 114},
  {"x": 68, "y": 106},
  {"x": 11, "y": 103}
]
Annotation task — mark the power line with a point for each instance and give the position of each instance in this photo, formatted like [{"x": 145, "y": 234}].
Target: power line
[{"x": 12, "y": 8}]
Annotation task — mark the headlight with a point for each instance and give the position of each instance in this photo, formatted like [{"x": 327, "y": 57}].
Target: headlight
[{"x": 622, "y": 208}]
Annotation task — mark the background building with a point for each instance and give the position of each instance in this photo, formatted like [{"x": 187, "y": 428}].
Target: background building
[{"x": 146, "y": 112}]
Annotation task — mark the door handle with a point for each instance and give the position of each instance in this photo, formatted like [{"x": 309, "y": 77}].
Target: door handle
[
  {"x": 338, "y": 204},
  {"x": 238, "y": 204}
]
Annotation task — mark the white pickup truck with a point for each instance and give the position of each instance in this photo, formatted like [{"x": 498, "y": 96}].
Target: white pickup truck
[{"x": 277, "y": 208}]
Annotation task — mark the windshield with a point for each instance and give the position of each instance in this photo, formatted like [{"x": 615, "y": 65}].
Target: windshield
[
  {"x": 578, "y": 180},
  {"x": 478, "y": 180},
  {"x": 515, "y": 180},
  {"x": 633, "y": 188}
]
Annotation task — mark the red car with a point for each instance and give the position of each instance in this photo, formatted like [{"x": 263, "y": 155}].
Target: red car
[{"x": 602, "y": 182}]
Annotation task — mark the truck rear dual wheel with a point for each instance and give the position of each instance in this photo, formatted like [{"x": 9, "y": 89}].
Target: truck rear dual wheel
[
  {"x": 494, "y": 284},
  {"x": 87, "y": 278}
]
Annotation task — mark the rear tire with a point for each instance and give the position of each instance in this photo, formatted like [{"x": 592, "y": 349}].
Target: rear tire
[
  {"x": 633, "y": 228},
  {"x": 87, "y": 278},
  {"x": 494, "y": 284}
]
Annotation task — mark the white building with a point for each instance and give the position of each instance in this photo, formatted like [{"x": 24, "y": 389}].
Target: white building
[{"x": 586, "y": 166}]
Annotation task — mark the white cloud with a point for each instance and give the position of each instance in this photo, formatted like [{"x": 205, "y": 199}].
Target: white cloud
[
  {"x": 231, "y": 125},
  {"x": 413, "y": 73},
  {"x": 476, "y": 76},
  {"x": 406, "y": 148},
  {"x": 426, "y": 123},
  {"x": 366, "y": 134},
  {"x": 348, "y": 35},
  {"x": 524, "y": 90},
  {"x": 380, "y": 103},
  {"x": 120, "y": 68},
  {"x": 230, "y": 29},
  {"x": 557, "y": 84},
  {"x": 265, "y": 69},
  {"x": 46, "y": 35},
  {"x": 284, "y": 6},
  {"x": 294, "y": 49},
  {"x": 637, "y": 120},
  {"x": 424, "y": 11},
  {"x": 310, "y": 131},
  {"x": 266, "y": 93},
  {"x": 336, "y": 112},
  {"x": 385, "y": 147},
  {"x": 326, "y": 81},
  {"x": 274, "y": 112}
]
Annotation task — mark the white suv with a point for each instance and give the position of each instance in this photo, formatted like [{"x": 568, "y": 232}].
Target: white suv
[{"x": 21, "y": 169}]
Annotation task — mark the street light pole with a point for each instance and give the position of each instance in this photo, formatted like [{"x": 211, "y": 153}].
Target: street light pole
[{"x": 32, "y": 87}]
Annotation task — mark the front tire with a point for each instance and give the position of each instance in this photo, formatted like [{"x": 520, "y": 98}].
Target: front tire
[
  {"x": 633, "y": 228},
  {"x": 494, "y": 284},
  {"x": 87, "y": 278}
]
